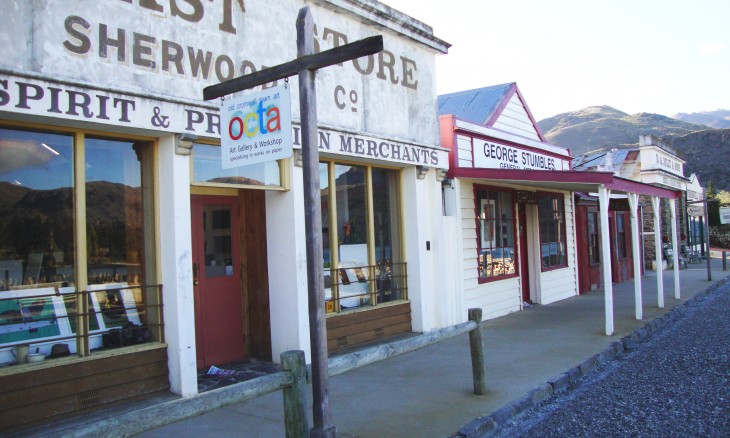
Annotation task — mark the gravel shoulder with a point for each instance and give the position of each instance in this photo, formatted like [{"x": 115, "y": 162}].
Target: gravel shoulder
[{"x": 675, "y": 382}]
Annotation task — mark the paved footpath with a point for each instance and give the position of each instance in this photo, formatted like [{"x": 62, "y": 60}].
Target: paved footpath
[
  {"x": 428, "y": 393},
  {"x": 675, "y": 383}
]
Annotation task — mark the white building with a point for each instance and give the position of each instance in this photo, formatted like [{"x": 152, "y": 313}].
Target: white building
[{"x": 116, "y": 210}]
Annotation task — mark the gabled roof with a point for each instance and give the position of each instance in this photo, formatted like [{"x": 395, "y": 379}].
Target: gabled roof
[
  {"x": 476, "y": 106},
  {"x": 499, "y": 106}
]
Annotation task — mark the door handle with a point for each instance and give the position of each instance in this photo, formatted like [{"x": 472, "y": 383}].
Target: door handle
[{"x": 195, "y": 275}]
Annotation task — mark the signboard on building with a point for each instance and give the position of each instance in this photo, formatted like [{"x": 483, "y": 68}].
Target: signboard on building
[
  {"x": 696, "y": 210},
  {"x": 257, "y": 127},
  {"x": 494, "y": 155},
  {"x": 725, "y": 215},
  {"x": 166, "y": 52}
]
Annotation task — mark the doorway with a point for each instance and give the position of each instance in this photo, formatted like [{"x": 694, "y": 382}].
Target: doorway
[
  {"x": 219, "y": 322},
  {"x": 524, "y": 264}
]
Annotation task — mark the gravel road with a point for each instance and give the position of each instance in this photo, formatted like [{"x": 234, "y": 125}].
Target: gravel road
[{"x": 676, "y": 383}]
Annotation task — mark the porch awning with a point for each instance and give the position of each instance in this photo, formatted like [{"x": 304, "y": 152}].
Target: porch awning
[{"x": 566, "y": 180}]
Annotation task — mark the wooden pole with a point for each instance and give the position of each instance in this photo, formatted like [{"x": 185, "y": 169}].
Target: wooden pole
[
  {"x": 476, "y": 345},
  {"x": 707, "y": 237},
  {"x": 675, "y": 246},
  {"x": 296, "y": 420},
  {"x": 656, "y": 203},
  {"x": 313, "y": 226},
  {"x": 635, "y": 236}
]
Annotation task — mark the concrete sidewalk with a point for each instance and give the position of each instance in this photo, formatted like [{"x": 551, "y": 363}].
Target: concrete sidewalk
[{"x": 428, "y": 393}]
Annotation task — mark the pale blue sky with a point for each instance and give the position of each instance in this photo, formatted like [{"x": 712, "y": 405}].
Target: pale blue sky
[{"x": 658, "y": 56}]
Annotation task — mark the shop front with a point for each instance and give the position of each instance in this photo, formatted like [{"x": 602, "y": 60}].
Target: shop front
[
  {"x": 130, "y": 258},
  {"x": 514, "y": 196}
]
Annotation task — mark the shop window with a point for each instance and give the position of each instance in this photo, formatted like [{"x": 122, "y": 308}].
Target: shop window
[
  {"x": 360, "y": 226},
  {"x": 594, "y": 249},
  {"x": 621, "y": 235},
  {"x": 47, "y": 298},
  {"x": 551, "y": 214},
  {"x": 207, "y": 170},
  {"x": 496, "y": 234}
]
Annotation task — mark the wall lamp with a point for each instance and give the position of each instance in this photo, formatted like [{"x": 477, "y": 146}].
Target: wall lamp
[{"x": 421, "y": 172}]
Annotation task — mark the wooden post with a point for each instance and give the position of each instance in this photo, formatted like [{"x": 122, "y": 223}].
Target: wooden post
[
  {"x": 707, "y": 237},
  {"x": 477, "y": 353},
  {"x": 313, "y": 226},
  {"x": 724, "y": 260},
  {"x": 295, "y": 412}
]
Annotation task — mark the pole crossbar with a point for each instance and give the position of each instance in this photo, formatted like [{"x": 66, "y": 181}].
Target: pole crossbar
[{"x": 357, "y": 49}]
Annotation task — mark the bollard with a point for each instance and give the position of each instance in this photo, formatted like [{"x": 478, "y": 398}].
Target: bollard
[
  {"x": 477, "y": 353},
  {"x": 724, "y": 261},
  {"x": 295, "y": 411}
]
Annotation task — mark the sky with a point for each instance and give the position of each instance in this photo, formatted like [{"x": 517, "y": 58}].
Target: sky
[{"x": 656, "y": 56}]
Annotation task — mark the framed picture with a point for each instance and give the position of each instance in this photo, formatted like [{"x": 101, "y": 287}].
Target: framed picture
[
  {"x": 115, "y": 304},
  {"x": 487, "y": 221},
  {"x": 95, "y": 326},
  {"x": 32, "y": 315}
]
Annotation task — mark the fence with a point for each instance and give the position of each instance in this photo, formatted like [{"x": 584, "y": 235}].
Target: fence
[{"x": 292, "y": 381}]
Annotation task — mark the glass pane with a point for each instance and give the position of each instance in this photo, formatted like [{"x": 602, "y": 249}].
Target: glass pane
[
  {"x": 325, "y": 197},
  {"x": 114, "y": 212},
  {"x": 207, "y": 169},
  {"x": 388, "y": 260},
  {"x": 217, "y": 241},
  {"x": 36, "y": 209},
  {"x": 352, "y": 235}
]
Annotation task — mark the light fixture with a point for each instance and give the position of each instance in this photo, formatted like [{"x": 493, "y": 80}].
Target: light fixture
[
  {"x": 421, "y": 172},
  {"x": 440, "y": 174},
  {"x": 447, "y": 183},
  {"x": 184, "y": 143}
]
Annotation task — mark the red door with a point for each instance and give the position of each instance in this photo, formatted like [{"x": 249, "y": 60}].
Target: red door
[
  {"x": 524, "y": 271},
  {"x": 217, "y": 280}
]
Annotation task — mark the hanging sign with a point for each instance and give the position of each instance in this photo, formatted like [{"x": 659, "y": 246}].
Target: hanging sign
[
  {"x": 724, "y": 215},
  {"x": 696, "y": 210},
  {"x": 256, "y": 127}
]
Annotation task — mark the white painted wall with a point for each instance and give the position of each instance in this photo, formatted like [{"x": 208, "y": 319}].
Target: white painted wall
[
  {"x": 287, "y": 259},
  {"x": 176, "y": 267},
  {"x": 418, "y": 207},
  {"x": 514, "y": 119}
]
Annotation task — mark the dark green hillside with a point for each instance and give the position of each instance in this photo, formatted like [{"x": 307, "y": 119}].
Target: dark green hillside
[{"x": 707, "y": 153}]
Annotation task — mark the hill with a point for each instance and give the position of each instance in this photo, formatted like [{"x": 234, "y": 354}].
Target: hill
[
  {"x": 600, "y": 127},
  {"x": 707, "y": 153},
  {"x": 597, "y": 127},
  {"x": 719, "y": 119}
]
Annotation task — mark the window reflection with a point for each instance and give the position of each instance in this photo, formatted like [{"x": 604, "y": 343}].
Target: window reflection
[
  {"x": 36, "y": 209},
  {"x": 114, "y": 212},
  {"x": 207, "y": 168}
]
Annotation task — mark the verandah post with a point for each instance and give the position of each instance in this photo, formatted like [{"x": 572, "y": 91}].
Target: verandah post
[{"x": 476, "y": 345}]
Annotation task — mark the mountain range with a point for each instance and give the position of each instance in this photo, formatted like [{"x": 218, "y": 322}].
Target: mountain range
[{"x": 603, "y": 127}]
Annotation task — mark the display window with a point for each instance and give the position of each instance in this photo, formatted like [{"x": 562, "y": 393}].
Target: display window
[
  {"x": 496, "y": 234},
  {"x": 361, "y": 236},
  {"x": 551, "y": 214},
  {"x": 207, "y": 170},
  {"x": 77, "y": 255}
]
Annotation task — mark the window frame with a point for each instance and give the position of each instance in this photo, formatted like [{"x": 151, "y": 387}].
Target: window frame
[
  {"x": 477, "y": 208},
  {"x": 81, "y": 256},
  {"x": 334, "y": 270},
  {"x": 561, "y": 231}
]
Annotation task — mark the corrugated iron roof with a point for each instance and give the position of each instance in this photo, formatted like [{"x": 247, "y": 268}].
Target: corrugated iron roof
[{"x": 476, "y": 106}]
